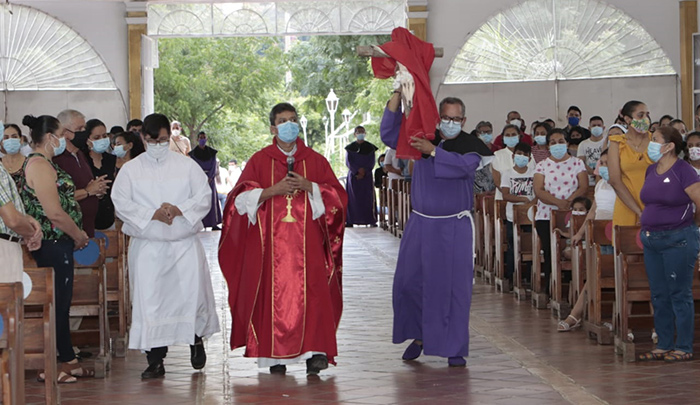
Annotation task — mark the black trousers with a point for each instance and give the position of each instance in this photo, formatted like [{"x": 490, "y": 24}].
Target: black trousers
[
  {"x": 546, "y": 243},
  {"x": 59, "y": 255},
  {"x": 157, "y": 354}
]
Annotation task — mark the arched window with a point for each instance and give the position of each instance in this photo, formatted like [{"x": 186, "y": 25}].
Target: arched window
[
  {"x": 558, "y": 40},
  {"x": 39, "y": 52}
]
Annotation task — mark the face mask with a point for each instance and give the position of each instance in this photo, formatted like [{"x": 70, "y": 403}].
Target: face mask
[
  {"x": 683, "y": 135},
  {"x": 511, "y": 141},
  {"x": 521, "y": 160},
  {"x": 578, "y": 213},
  {"x": 574, "y": 121},
  {"x": 487, "y": 137},
  {"x": 288, "y": 132},
  {"x": 597, "y": 131},
  {"x": 541, "y": 139},
  {"x": 11, "y": 145},
  {"x": 119, "y": 151},
  {"x": 558, "y": 151},
  {"x": 100, "y": 145},
  {"x": 360, "y": 136},
  {"x": 592, "y": 164},
  {"x": 604, "y": 173},
  {"x": 572, "y": 152},
  {"x": 450, "y": 129},
  {"x": 175, "y": 132},
  {"x": 641, "y": 125},
  {"x": 517, "y": 123},
  {"x": 158, "y": 152},
  {"x": 694, "y": 153},
  {"x": 202, "y": 142},
  {"x": 57, "y": 150},
  {"x": 654, "y": 151}
]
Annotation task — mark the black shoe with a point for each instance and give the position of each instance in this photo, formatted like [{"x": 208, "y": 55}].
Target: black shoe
[
  {"x": 278, "y": 369},
  {"x": 155, "y": 370},
  {"x": 198, "y": 357},
  {"x": 316, "y": 363}
]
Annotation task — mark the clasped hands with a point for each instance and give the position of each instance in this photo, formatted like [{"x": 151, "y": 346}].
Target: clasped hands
[
  {"x": 292, "y": 183},
  {"x": 166, "y": 213},
  {"x": 34, "y": 242},
  {"x": 98, "y": 186}
]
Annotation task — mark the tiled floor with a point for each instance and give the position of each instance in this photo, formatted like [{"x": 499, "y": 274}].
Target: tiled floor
[{"x": 516, "y": 358}]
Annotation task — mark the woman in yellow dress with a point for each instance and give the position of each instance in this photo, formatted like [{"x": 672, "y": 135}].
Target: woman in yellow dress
[{"x": 627, "y": 163}]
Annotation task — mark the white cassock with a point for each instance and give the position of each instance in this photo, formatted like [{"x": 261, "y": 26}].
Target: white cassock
[{"x": 171, "y": 290}]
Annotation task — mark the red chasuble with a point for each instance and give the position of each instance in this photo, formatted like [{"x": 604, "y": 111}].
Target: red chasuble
[{"x": 284, "y": 278}]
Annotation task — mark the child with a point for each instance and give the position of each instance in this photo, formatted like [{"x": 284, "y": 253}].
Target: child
[
  {"x": 517, "y": 188},
  {"x": 580, "y": 206}
]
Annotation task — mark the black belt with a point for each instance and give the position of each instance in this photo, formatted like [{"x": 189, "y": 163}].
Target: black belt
[{"x": 10, "y": 238}]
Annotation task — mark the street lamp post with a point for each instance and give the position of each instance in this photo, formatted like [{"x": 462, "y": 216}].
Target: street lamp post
[
  {"x": 332, "y": 107},
  {"x": 346, "y": 118},
  {"x": 303, "y": 121}
]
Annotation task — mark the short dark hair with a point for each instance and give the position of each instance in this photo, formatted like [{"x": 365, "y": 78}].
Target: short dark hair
[
  {"x": 153, "y": 123},
  {"x": 596, "y": 118},
  {"x": 677, "y": 121},
  {"x": 605, "y": 152},
  {"x": 671, "y": 134},
  {"x": 134, "y": 123},
  {"x": 234, "y": 161},
  {"x": 692, "y": 134},
  {"x": 484, "y": 124},
  {"x": 382, "y": 156},
  {"x": 116, "y": 130},
  {"x": 511, "y": 126},
  {"x": 542, "y": 124},
  {"x": 359, "y": 127},
  {"x": 135, "y": 140},
  {"x": 555, "y": 131},
  {"x": 584, "y": 132},
  {"x": 666, "y": 117},
  {"x": 523, "y": 147},
  {"x": 280, "y": 108},
  {"x": 40, "y": 126},
  {"x": 574, "y": 108},
  {"x": 453, "y": 101},
  {"x": 584, "y": 200}
]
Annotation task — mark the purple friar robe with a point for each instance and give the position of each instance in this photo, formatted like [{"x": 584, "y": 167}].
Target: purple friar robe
[
  {"x": 206, "y": 159},
  {"x": 435, "y": 268},
  {"x": 360, "y": 191}
]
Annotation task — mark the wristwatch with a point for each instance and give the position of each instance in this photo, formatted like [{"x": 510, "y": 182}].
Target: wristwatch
[{"x": 432, "y": 154}]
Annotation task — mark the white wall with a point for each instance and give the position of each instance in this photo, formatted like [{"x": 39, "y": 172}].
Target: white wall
[
  {"x": 103, "y": 25},
  {"x": 451, "y": 23}
]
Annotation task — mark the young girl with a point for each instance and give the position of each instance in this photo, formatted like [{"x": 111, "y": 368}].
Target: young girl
[{"x": 580, "y": 206}]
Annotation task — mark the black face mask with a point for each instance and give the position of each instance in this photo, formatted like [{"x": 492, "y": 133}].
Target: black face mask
[{"x": 80, "y": 140}]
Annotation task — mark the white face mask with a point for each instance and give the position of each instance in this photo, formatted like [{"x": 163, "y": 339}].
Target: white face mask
[
  {"x": 578, "y": 213},
  {"x": 175, "y": 132},
  {"x": 158, "y": 152},
  {"x": 516, "y": 122},
  {"x": 694, "y": 153}
]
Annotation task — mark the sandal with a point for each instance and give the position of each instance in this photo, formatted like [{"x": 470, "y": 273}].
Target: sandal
[
  {"x": 564, "y": 326},
  {"x": 63, "y": 378},
  {"x": 649, "y": 356},
  {"x": 76, "y": 370},
  {"x": 676, "y": 356}
]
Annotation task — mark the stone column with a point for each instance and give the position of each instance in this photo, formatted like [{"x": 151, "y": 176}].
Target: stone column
[{"x": 136, "y": 19}]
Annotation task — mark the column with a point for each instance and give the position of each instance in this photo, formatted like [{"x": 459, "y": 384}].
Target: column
[
  {"x": 418, "y": 18},
  {"x": 136, "y": 19},
  {"x": 688, "y": 26}
]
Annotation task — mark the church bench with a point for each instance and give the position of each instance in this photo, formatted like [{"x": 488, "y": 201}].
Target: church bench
[
  {"x": 523, "y": 227},
  {"x": 11, "y": 344},
  {"x": 404, "y": 204},
  {"x": 383, "y": 203},
  {"x": 539, "y": 296},
  {"x": 392, "y": 199},
  {"x": 578, "y": 260},
  {"x": 479, "y": 235},
  {"x": 561, "y": 280},
  {"x": 600, "y": 280},
  {"x": 117, "y": 289},
  {"x": 501, "y": 247},
  {"x": 489, "y": 238}
]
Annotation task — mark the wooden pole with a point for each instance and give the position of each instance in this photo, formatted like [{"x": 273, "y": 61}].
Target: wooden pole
[{"x": 369, "y": 51}]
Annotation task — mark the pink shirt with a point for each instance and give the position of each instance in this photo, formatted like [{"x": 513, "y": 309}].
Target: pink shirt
[{"x": 560, "y": 180}]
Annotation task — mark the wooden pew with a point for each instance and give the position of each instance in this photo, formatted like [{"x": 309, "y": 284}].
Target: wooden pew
[
  {"x": 578, "y": 261},
  {"x": 562, "y": 268},
  {"x": 479, "y": 235},
  {"x": 404, "y": 204},
  {"x": 117, "y": 289},
  {"x": 489, "y": 238},
  {"x": 539, "y": 296},
  {"x": 600, "y": 280},
  {"x": 522, "y": 247},
  {"x": 501, "y": 247},
  {"x": 40, "y": 329},
  {"x": 383, "y": 207},
  {"x": 12, "y": 344},
  {"x": 393, "y": 200}
]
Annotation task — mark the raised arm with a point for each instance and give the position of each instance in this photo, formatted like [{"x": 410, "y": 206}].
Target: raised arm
[{"x": 391, "y": 121}]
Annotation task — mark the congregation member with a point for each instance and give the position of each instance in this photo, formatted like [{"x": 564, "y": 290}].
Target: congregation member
[
  {"x": 577, "y": 135},
  {"x": 540, "y": 150},
  {"x": 573, "y": 119},
  {"x": 135, "y": 125},
  {"x": 679, "y": 125},
  {"x": 653, "y": 127},
  {"x": 517, "y": 189},
  {"x": 205, "y": 156},
  {"x": 665, "y": 121},
  {"x": 513, "y": 118},
  {"x": 433, "y": 281},
  {"x": 693, "y": 150},
  {"x": 178, "y": 142},
  {"x": 391, "y": 165},
  {"x": 127, "y": 146},
  {"x": 234, "y": 173},
  {"x": 628, "y": 161},
  {"x": 162, "y": 197},
  {"x": 360, "y": 162},
  {"x": 483, "y": 179},
  {"x": 503, "y": 159},
  {"x": 379, "y": 172},
  {"x": 11, "y": 149},
  {"x": 48, "y": 195},
  {"x": 74, "y": 162},
  {"x": 671, "y": 244},
  {"x": 558, "y": 181},
  {"x": 281, "y": 252},
  {"x": 103, "y": 165},
  {"x": 589, "y": 150},
  {"x": 484, "y": 130}
]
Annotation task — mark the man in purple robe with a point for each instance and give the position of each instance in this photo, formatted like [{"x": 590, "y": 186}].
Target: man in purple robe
[
  {"x": 435, "y": 269},
  {"x": 360, "y": 162},
  {"x": 205, "y": 156}
]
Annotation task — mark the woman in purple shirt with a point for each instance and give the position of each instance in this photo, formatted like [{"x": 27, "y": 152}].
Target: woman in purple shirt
[{"x": 671, "y": 243}]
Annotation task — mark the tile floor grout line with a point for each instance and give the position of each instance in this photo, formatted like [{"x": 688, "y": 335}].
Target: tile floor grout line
[{"x": 560, "y": 382}]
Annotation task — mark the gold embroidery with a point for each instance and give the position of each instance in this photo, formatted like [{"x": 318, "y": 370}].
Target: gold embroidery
[{"x": 334, "y": 210}]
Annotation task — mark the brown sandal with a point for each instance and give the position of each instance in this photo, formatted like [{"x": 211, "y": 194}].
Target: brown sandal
[
  {"x": 650, "y": 356},
  {"x": 63, "y": 378},
  {"x": 76, "y": 370}
]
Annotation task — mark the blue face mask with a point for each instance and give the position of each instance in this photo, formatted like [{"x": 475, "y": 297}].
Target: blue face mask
[
  {"x": 604, "y": 173},
  {"x": 11, "y": 145},
  {"x": 511, "y": 141},
  {"x": 119, "y": 151},
  {"x": 57, "y": 150},
  {"x": 450, "y": 129},
  {"x": 574, "y": 121},
  {"x": 541, "y": 139},
  {"x": 487, "y": 137},
  {"x": 521, "y": 160},
  {"x": 558, "y": 151},
  {"x": 654, "y": 151},
  {"x": 288, "y": 132},
  {"x": 597, "y": 131},
  {"x": 100, "y": 145},
  {"x": 360, "y": 136}
]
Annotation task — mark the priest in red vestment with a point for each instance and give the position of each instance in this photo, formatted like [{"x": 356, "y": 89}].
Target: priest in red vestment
[{"x": 281, "y": 252}]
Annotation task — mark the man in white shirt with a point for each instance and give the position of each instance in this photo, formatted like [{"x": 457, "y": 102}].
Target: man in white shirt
[
  {"x": 391, "y": 164},
  {"x": 589, "y": 150}
]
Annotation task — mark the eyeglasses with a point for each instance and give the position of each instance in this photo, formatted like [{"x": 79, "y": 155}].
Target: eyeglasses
[{"x": 454, "y": 120}]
